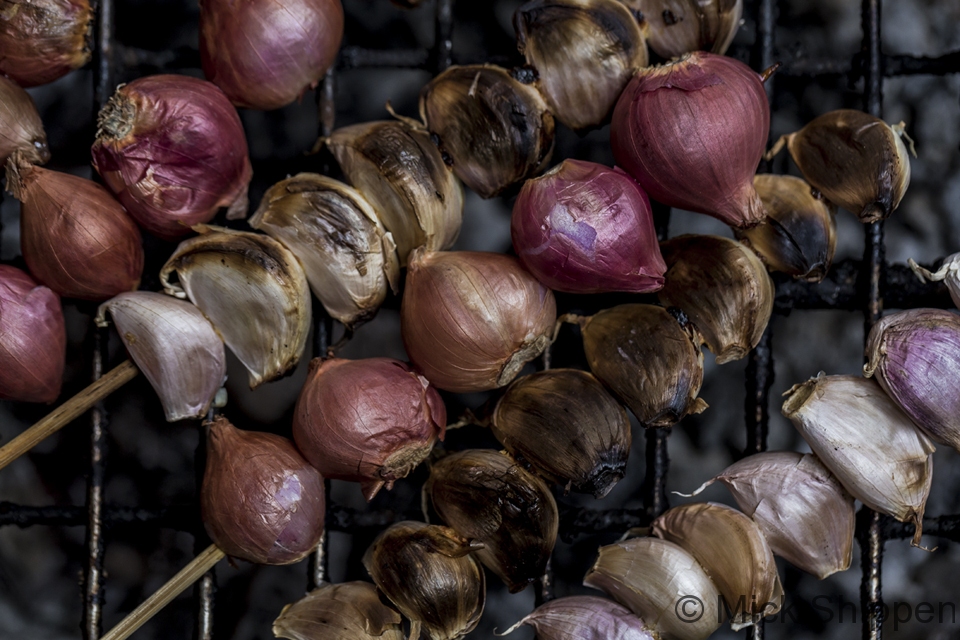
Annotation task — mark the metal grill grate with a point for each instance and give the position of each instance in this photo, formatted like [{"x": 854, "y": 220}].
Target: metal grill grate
[{"x": 850, "y": 285}]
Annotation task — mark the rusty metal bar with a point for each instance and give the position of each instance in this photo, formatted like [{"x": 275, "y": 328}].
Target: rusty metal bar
[
  {"x": 205, "y": 589},
  {"x": 93, "y": 596}
]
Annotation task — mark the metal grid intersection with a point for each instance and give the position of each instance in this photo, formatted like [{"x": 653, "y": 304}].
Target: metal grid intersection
[{"x": 850, "y": 285}]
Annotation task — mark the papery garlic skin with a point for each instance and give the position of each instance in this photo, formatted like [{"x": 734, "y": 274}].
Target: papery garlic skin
[
  {"x": 855, "y": 159},
  {"x": 804, "y": 512},
  {"x": 260, "y": 500},
  {"x": 584, "y": 228},
  {"x": 33, "y": 339},
  {"x": 496, "y": 130},
  {"x": 692, "y": 133},
  {"x": 175, "y": 347},
  {"x": 656, "y": 579},
  {"x": 348, "y": 257},
  {"x": 734, "y": 553},
  {"x": 648, "y": 360},
  {"x": 865, "y": 439},
  {"x": 370, "y": 421},
  {"x": 584, "y": 618},
  {"x": 914, "y": 354},
  {"x": 470, "y": 320},
  {"x": 676, "y": 27},
  {"x": 401, "y": 173},
  {"x": 20, "y": 126},
  {"x": 428, "y": 573},
  {"x": 43, "y": 40},
  {"x": 487, "y": 496},
  {"x": 584, "y": 51},
  {"x": 345, "y": 611},
  {"x": 723, "y": 287},
  {"x": 254, "y": 292},
  {"x": 565, "y": 425},
  {"x": 949, "y": 273},
  {"x": 799, "y": 234}
]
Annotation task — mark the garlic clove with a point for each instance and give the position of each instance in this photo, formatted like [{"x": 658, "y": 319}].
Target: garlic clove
[
  {"x": 949, "y": 273},
  {"x": 734, "y": 553},
  {"x": 584, "y": 618},
  {"x": 401, "y": 173},
  {"x": 260, "y": 500},
  {"x": 855, "y": 159},
  {"x": 175, "y": 347},
  {"x": 799, "y": 234},
  {"x": 567, "y": 427},
  {"x": 723, "y": 288},
  {"x": 584, "y": 51},
  {"x": 346, "y": 611},
  {"x": 348, "y": 256},
  {"x": 496, "y": 130},
  {"x": 428, "y": 573},
  {"x": 676, "y": 27},
  {"x": 20, "y": 126},
  {"x": 648, "y": 359},
  {"x": 912, "y": 353},
  {"x": 485, "y": 495},
  {"x": 804, "y": 512},
  {"x": 254, "y": 292},
  {"x": 655, "y": 579},
  {"x": 865, "y": 439}
]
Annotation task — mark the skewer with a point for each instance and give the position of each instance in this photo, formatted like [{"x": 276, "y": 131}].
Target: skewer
[{"x": 68, "y": 412}]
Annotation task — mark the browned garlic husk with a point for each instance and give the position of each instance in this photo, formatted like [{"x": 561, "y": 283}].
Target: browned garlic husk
[
  {"x": 676, "y": 27},
  {"x": 346, "y": 611}
]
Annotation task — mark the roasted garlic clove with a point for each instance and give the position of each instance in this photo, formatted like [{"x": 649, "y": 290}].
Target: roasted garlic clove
[
  {"x": 584, "y": 618},
  {"x": 676, "y": 27},
  {"x": 651, "y": 361},
  {"x": 567, "y": 427},
  {"x": 401, "y": 173},
  {"x": 175, "y": 347},
  {"x": 722, "y": 287},
  {"x": 254, "y": 292},
  {"x": 865, "y": 439},
  {"x": 346, "y": 611},
  {"x": 486, "y": 496},
  {"x": 799, "y": 235},
  {"x": 496, "y": 130}
]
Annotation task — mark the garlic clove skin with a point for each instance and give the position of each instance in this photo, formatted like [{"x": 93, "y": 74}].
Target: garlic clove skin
[
  {"x": 471, "y": 320},
  {"x": 584, "y": 51},
  {"x": 676, "y": 27},
  {"x": 260, "y": 500},
  {"x": 370, "y": 421},
  {"x": 648, "y": 360},
  {"x": 349, "y": 258},
  {"x": 487, "y": 496},
  {"x": 865, "y": 439},
  {"x": 401, "y": 173},
  {"x": 855, "y": 159},
  {"x": 43, "y": 40},
  {"x": 496, "y": 130},
  {"x": 346, "y": 611},
  {"x": 20, "y": 126},
  {"x": 567, "y": 427},
  {"x": 804, "y": 512},
  {"x": 428, "y": 573},
  {"x": 254, "y": 292},
  {"x": 734, "y": 553},
  {"x": 911, "y": 353},
  {"x": 175, "y": 347},
  {"x": 799, "y": 234},
  {"x": 723, "y": 288},
  {"x": 949, "y": 273},
  {"x": 648, "y": 575},
  {"x": 584, "y": 618}
]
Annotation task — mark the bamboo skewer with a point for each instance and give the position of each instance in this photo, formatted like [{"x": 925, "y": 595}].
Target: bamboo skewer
[
  {"x": 68, "y": 412},
  {"x": 162, "y": 597}
]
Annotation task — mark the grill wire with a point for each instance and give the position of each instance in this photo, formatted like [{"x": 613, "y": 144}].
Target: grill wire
[{"x": 851, "y": 285}]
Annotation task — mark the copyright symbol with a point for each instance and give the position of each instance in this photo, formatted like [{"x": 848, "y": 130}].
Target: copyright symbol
[{"x": 689, "y": 608}]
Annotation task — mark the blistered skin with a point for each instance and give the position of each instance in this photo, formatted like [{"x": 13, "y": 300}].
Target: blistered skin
[
  {"x": 914, "y": 355},
  {"x": 20, "y": 126},
  {"x": 33, "y": 339},
  {"x": 173, "y": 150},
  {"x": 584, "y": 228},
  {"x": 676, "y": 27},
  {"x": 42, "y": 40},
  {"x": 260, "y": 500},
  {"x": 345, "y": 611},
  {"x": 585, "y": 618},
  {"x": 369, "y": 421},
  {"x": 701, "y": 156},
  {"x": 265, "y": 54}
]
